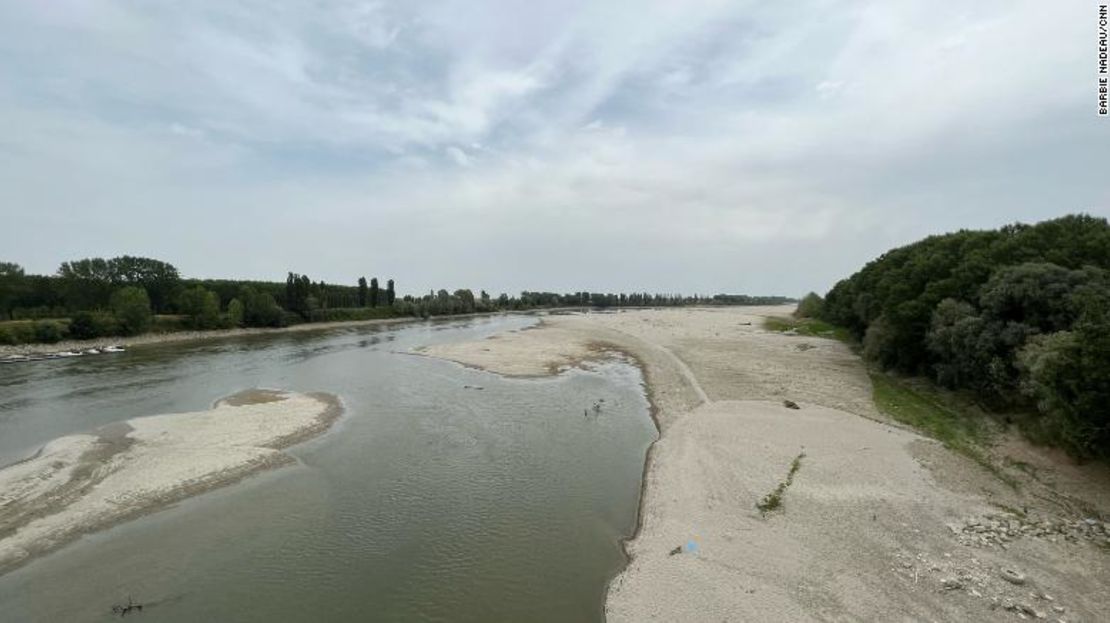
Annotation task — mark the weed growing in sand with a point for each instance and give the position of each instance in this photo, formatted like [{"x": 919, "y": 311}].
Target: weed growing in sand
[
  {"x": 926, "y": 412},
  {"x": 1017, "y": 512},
  {"x": 806, "y": 326},
  {"x": 773, "y": 500}
]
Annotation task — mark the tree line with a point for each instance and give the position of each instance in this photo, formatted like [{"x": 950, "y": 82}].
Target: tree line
[
  {"x": 1020, "y": 316},
  {"x": 128, "y": 295}
]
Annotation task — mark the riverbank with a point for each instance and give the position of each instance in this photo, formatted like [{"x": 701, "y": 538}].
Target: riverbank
[
  {"x": 216, "y": 334},
  {"x": 876, "y": 522},
  {"x": 83, "y": 483},
  {"x": 188, "y": 336}
]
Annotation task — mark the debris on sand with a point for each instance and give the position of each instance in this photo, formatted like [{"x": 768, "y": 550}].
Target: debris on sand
[
  {"x": 124, "y": 610},
  {"x": 1012, "y": 576},
  {"x": 790, "y": 404},
  {"x": 998, "y": 530},
  {"x": 477, "y": 387}
]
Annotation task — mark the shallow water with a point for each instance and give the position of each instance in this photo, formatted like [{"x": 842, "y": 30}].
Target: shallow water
[{"x": 427, "y": 501}]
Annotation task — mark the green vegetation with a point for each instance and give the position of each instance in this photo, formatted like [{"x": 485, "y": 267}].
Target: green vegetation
[
  {"x": 87, "y": 325},
  {"x": 948, "y": 419},
  {"x": 260, "y": 309},
  {"x": 810, "y": 306},
  {"x": 1019, "y": 316},
  {"x": 47, "y": 331},
  {"x": 235, "y": 313},
  {"x": 126, "y": 295},
  {"x": 806, "y": 326},
  {"x": 90, "y": 283},
  {"x": 16, "y": 332},
  {"x": 924, "y": 410},
  {"x": 131, "y": 307},
  {"x": 773, "y": 500},
  {"x": 201, "y": 308}
]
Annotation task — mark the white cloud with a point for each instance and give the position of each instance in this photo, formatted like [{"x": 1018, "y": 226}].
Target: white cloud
[
  {"x": 459, "y": 156},
  {"x": 657, "y": 145}
]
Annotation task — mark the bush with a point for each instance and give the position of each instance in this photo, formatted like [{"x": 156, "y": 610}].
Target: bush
[
  {"x": 810, "y": 306},
  {"x": 235, "y": 313},
  {"x": 8, "y": 335},
  {"x": 131, "y": 306},
  {"x": 876, "y": 342},
  {"x": 17, "y": 332},
  {"x": 201, "y": 308},
  {"x": 48, "y": 331},
  {"x": 954, "y": 338},
  {"x": 89, "y": 325},
  {"x": 261, "y": 310},
  {"x": 1068, "y": 374}
]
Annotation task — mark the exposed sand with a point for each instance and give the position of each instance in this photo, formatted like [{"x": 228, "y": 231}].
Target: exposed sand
[
  {"x": 870, "y": 528},
  {"x": 82, "y": 483}
]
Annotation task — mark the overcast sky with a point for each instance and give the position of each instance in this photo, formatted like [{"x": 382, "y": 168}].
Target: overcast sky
[{"x": 757, "y": 147}]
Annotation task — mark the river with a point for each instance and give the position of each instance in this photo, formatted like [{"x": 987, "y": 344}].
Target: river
[{"x": 428, "y": 501}]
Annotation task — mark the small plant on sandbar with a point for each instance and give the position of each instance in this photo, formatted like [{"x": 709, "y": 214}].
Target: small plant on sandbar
[{"x": 773, "y": 500}]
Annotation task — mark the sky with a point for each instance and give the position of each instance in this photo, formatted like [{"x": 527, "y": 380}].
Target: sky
[{"x": 667, "y": 146}]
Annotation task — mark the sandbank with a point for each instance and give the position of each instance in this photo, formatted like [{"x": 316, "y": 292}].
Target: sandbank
[
  {"x": 879, "y": 523},
  {"x": 82, "y": 483}
]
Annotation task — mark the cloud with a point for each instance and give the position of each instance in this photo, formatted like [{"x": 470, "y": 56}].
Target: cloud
[
  {"x": 697, "y": 146},
  {"x": 459, "y": 156}
]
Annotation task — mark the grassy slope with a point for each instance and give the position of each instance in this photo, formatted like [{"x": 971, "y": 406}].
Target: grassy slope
[{"x": 946, "y": 417}]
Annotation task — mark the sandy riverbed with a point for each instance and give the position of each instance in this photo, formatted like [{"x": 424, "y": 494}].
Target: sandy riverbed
[
  {"x": 82, "y": 483},
  {"x": 880, "y": 524}
]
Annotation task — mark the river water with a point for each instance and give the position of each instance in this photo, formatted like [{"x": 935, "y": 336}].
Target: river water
[{"x": 428, "y": 501}]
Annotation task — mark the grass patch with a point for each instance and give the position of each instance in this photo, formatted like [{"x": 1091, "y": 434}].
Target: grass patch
[
  {"x": 773, "y": 500},
  {"x": 806, "y": 326},
  {"x": 927, "y": 411}
]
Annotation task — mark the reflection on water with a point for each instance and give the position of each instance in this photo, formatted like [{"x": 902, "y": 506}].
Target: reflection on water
[{"x": 429, "y": 501}]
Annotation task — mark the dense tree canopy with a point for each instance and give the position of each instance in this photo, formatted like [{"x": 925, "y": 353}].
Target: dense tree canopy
[
  {"x": 88, "y": 283},
  {"x": 200, "y": 307},
  {"x": 1008, "y": 314},
  {"x": 11, "y": 285}
]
